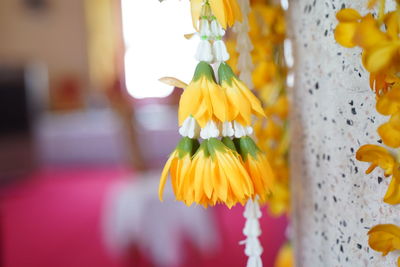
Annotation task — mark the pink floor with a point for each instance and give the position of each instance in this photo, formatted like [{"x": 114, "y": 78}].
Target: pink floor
[{"x": 53, "y": 220}]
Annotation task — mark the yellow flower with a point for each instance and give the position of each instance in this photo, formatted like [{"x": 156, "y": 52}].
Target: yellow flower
[
  {"x": 384, "y": 238},
  {"x": 216, "y": 175},
  {"x": 279, "y": 201},
  {"x": 377, "y": 156},
  {"x": 285, "y": 257},
  {"x": 348, "y": 22},
  {"x": 178, "y": 164},
  {"x": 389, "y": 103},
  {"x": 392, "y": 195},
  {"x": 203, "y": 98},
  {"x": 226, "y": 11},
  {"x": 390, "y": 131},
  {"x": 241, "y": 101},
  {"x": 257, "y": 166}
]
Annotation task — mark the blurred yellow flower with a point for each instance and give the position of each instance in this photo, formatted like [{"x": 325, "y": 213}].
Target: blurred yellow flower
[
  {"x": 390, "y": 131},
  {"x": 392, "y": 195},
  {"x": 285, "y": 257},
  {"x": 384, "y": 238},
  {"x": 377, "y": 156},
  {"x": 279, "y": 200},
  {"x": 381, "y": 45},
  {"x": 389, "y": 103}
]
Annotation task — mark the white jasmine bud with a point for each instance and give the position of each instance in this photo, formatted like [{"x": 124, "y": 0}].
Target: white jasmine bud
[
  {"x": 204, "y": 51},
  {"x": 209, "y": 131},
  {"x": 220, "y": 51},
  {"x": 189, "y": 128}
]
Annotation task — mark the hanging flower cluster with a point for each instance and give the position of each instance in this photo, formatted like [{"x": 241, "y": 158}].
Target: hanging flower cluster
[
  {"x": 267, "y": 34},
  {"x": 379, "y": 39},
  {"x": 217, "y": 108}
]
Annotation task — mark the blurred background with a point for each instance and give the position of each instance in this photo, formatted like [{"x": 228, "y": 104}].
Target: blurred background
[{"x": 85, "y": 128}]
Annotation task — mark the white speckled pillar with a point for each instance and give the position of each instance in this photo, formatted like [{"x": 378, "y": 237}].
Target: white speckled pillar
[{"x": 333, "y": 113}]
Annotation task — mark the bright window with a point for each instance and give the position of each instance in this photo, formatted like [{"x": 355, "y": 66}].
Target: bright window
[{"x": 155, "y": 45}]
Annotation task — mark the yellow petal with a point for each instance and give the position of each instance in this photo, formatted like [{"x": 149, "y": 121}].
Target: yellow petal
[
  {"x": 164, "y": 174},
  {"x": 219, "y": 102},
  {"x": 392, "y": 195},
  {"x": 190, "y": 101},
  {"x": 344, "y": 34},
  {"x": 237, "y": 102},
  {"x": 218, "y": 9},
  {"x": 368, "y": 33},
  {"x": 392, "y": 25},
  {"x": 207, "y": 184},
  {"x": 198, "y": 178},
  {"x": 390, "y": 136},
  {"x": 348, "y": 15},
  {"x": 173, "y": 82},
  {"x": 220, "y": 184},
  {"x": 196, "y": 6},
  {"x": 236, "y": 11},
  {"x": 381, "y": 56},
  {"x": 254, "y": 101},
  {"x": 377, "y": 156},
  {"x": 389, "y": 103},
  {"x": 384, "y": 238}
]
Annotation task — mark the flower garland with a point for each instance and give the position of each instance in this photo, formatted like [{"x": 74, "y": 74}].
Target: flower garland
[
  {"x": 226, "y": 166},
  {"x": 218, "y": 108},
  {"x": 379, "y": 40}
]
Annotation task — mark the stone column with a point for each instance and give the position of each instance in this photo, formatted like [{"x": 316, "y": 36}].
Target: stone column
[{"x": 333, "y": 114}]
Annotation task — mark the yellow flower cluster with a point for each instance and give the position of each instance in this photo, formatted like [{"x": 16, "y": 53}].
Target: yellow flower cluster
[
  {"x": 206, "y": 100},
  {"x": 381, "y": 157},
  {"x": 385, "y": 238},
  {"x": 267, "y": 33},
  {"x": 379, "y": 40},
  {"x": 222, "y": 170}
]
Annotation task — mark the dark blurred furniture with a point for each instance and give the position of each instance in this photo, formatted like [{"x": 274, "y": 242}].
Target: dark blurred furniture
[{"x": 16, "y": 153}]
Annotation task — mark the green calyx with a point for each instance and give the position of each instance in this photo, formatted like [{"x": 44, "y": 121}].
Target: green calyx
[
  {"x": 215, "y": 145},
  {"x": 245, "y": 146},
  {"x": 187, "y": 146},
  {"x": 203, "y": 69},
  {"x": 225, "y": 73},
  {"x": 229, "y": 143}
]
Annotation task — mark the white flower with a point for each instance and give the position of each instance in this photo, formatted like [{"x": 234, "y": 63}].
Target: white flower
[
  {"x": 216, "y": 29},
  {"x": 252, "y": 230},
  {"x": 189, "y": 128},
  {"x": 244, "y": 43},
  {"x": 220, "y": 52},
  {"x": 204, "y": 51},
  {"x": 241, "y": 130},
  {"x": 227, "y": 129},
  {"x": 245, "y": 63},
  {"x": 205, "y": 31},
  {"x": 209, "y": 131},
  {"x": 254, "y": 261}
]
